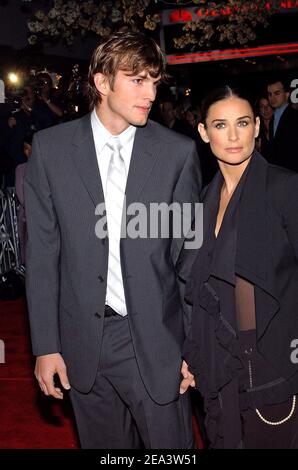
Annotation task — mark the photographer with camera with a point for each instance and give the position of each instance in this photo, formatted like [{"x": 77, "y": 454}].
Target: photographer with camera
[
  {"x": 47, "y": 105},
  {"x": 23, "y": 120}
]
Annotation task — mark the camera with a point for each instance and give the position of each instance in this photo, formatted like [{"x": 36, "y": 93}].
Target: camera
[
  {"x": 37, "y": 87},
  {"x": 42, "y": 79},
  {"x": 14, "y": 100}
]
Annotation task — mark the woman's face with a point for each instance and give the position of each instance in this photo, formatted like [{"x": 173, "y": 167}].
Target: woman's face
[
  {"x": 265, "y": 109},
  {"x": 231, "y": 130}
]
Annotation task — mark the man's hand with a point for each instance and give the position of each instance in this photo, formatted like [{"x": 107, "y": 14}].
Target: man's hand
[
  {"x": 45, "y": 369},
  {"x": 188, "y": 379}
]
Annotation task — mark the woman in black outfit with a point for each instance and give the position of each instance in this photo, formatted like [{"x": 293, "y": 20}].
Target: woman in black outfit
[
  {"x": 240, "y": 352},
  {"x": 266, "y": 113}
]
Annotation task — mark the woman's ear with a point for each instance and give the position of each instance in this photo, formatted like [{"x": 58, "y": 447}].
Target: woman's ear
[
  {"x": 203, "y": 133},
  {"x": 101, "y": 82},
  {"x": 257, "y": 127}
]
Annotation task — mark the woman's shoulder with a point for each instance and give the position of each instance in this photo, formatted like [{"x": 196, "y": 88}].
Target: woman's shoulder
[
  {"x": 279, "y": 178},
  {"x": 282, "y": 187}
]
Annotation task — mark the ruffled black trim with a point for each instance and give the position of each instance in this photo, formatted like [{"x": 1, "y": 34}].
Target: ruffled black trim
[
  {"x": 207, "y": 301},
  {"x": 225, "y": 335}
]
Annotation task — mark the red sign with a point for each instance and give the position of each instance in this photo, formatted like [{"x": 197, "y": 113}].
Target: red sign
[
  {"x": 274, "y": 49},
  {"x": 183, "y": 15},
  {"x": 180, "y": 16}
]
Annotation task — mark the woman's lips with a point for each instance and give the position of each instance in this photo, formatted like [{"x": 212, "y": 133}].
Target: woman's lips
[{"x": 234, "y": 149}]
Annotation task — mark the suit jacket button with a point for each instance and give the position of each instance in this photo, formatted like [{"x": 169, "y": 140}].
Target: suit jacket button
[
  {"x": 100, "y": 278},
  {"x": 97, "y": 315}
]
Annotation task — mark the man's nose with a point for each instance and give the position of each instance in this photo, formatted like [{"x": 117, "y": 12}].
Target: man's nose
[{"x": 151, "y": 91}]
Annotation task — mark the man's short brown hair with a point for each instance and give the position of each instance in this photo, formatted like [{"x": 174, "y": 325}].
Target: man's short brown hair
[{"x": 130, "y": 51}]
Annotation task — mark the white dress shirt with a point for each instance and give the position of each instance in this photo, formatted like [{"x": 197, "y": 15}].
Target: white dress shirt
[{"x": 101, "y": 137}]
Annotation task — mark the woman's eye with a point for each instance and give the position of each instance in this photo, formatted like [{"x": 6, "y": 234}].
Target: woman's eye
[
  {"x": 220, "y": 125},
  {"x": 137, "y": 80},
  {"x": 243, "y": 123}
]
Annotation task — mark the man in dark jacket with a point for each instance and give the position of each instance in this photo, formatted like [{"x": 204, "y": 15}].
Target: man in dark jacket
[{"x": 283, "y": 127}]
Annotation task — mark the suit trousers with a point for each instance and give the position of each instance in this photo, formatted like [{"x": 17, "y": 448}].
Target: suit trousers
[{"x": 118, "y": 412}]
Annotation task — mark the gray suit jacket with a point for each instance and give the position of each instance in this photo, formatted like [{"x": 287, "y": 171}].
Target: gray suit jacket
[{"x": 67, "y": 264}]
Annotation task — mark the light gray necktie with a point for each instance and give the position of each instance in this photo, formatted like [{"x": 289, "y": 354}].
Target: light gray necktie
[{"x": 115, "y": 191}]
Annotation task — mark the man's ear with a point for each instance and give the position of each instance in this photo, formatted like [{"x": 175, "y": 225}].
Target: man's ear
[
  {"x": 102, "y": 83},
  {"x": 203, "y": 133}
]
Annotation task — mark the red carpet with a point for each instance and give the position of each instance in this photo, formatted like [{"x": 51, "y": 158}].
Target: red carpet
[{"x": 28, "y": 418}]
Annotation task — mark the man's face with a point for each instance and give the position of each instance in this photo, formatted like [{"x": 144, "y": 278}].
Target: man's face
[
  {"x": 129, "y": 102},
  {"x": 277, "y": 95}
]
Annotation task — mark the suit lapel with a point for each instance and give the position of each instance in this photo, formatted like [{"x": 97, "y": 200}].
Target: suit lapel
[
  {"x": 143, "y": 158},
  {"x": 210, "y": 209},
  {"x": 211, "y": 202},
  {"x": 271, "y": 129},
  {"x": 282, "y": 122},
  {"x": 85, "y": 160},
  {"x": 253, "y": 249}
]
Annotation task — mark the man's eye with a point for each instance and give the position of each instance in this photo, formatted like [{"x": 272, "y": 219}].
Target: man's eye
[{"x": 137, "y": 80}]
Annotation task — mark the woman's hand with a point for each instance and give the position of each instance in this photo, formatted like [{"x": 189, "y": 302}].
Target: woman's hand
[{"x": 188, "y": 378}]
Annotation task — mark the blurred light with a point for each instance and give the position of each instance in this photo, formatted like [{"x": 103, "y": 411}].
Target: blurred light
[
  {"x": 180, "y": 15},
  {"x": 215, "y": 55},
  {"x": 13, "y": 78},
  {"x": 76, "y": 108}
]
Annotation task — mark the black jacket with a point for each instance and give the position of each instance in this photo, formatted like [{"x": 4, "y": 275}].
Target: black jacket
[
  {"x": 283, "y": 147},
  {"x": 266, "y": 254}
]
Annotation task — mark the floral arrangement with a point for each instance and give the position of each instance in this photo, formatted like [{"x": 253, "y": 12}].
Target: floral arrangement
[{"x": 65, "y": 19}]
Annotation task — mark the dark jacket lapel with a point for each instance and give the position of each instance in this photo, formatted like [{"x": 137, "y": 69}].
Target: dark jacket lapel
[
  {"x": 252, "y": 246},
  {"x": 144, "y": 155},
  {"x": 253, "y": 252},
  {"x": 224, "y": 258},
  {"x": 85, "y": 160},
  {"x": 210, "y": 209}
]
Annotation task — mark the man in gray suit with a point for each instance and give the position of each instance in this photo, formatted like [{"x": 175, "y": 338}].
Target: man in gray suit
[{"x": 105, "y": 312}]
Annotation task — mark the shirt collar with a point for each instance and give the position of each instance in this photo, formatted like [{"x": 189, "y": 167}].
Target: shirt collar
[
  {"x": 102, "y": 135},
  {"x": 278, "y": 112}
]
